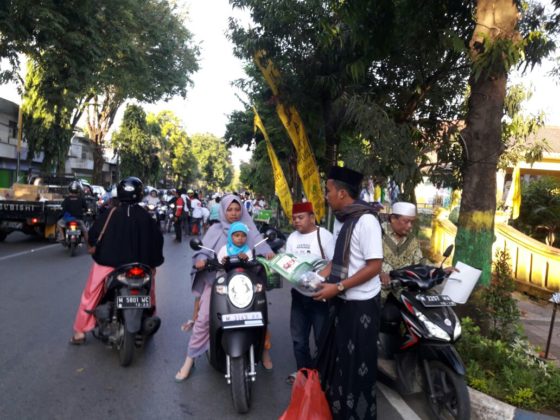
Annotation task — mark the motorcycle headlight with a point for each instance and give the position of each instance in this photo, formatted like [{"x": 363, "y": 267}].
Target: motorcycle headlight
[
  {"x": 432, "y": 328},
  {"x": 240, "y": 291},
  {"x": 457, "y": 330}
]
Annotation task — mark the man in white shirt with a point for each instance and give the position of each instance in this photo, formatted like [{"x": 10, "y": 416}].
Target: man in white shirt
[
  {"x": 306, "y": 313},
  {"x": 347, "y": 358}
]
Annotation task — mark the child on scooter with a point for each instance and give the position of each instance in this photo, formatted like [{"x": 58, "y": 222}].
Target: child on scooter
[{"x": 236, "y": 245}]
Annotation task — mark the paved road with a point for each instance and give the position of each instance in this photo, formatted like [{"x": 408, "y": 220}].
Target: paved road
[{"x": 42, "y": 377}]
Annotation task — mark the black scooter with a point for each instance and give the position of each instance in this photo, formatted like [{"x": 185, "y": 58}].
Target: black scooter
[
  {"x": 238, "y": 320},
  {"x": 418, "y": 329},
  {"x": 124, "y": 316}
]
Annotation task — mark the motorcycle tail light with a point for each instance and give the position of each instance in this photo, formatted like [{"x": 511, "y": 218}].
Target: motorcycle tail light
[
  {"x": 134, "y": 292},
  {"x": 135, "y": 272},
  {"x": 34, "y": 221}
]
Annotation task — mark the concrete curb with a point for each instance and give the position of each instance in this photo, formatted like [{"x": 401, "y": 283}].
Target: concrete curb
[{"x": 485, "y": 407}]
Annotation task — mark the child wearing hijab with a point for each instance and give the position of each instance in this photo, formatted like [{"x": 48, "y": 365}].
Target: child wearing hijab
[{"x": 236, "y": 243}]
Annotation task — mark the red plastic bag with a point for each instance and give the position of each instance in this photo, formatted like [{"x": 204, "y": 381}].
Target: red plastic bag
[{"x": 308, "y": 399}]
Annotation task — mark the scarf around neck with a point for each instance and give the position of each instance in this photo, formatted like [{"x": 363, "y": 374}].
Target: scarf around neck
[{"x": 349, "y": 216}]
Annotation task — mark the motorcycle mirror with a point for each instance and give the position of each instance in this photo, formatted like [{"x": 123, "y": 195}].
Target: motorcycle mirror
[
  {"x": 196, "y": 244},
  {"x": 446, "y": 254},
  {"x": 271, "y": 235}
]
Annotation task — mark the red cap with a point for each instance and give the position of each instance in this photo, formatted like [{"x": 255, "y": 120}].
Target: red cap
[{"x": 306, "y": 207}]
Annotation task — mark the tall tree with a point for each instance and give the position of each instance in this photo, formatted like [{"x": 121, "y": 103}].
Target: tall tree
[
  {"x": 152, "y": 60},
  {"x": 214, "y": 160},
  {"x": 179, "y": 164},
  {"x": 136, "y": 145}
]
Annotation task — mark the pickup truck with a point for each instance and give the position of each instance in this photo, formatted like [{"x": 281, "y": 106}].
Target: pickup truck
[{"x": 36, "y": 211}]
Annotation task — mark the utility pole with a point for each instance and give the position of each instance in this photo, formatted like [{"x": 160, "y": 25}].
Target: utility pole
[{"x": 19, "y": 136}]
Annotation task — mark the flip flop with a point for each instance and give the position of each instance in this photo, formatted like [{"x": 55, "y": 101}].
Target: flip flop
[
  {"x": 187, "y": 326},
  {"x": 77, "y": 341},
  {"x": 291, "y": 378}
]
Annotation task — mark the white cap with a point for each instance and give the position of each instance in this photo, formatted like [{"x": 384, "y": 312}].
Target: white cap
[{"x": 404, "y": 209}]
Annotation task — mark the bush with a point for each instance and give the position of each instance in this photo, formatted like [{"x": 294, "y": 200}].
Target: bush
[
  {"x": 498, "y": 304},
  {"x": 510, "y": 372}
]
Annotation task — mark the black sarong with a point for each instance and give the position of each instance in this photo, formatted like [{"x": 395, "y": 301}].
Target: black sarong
[{"x": 347, "y": 358}]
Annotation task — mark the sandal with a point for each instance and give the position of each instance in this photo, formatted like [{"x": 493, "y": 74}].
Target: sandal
[
  {"x": 291, "y": 378},
  {"x": 77, "y": 341},
  {"x": 187, "y": 326},
  {"x": 179, "y": 378}
]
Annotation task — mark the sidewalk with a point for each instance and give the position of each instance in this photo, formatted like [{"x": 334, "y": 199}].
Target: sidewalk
[{"x": 535, "y": 316}]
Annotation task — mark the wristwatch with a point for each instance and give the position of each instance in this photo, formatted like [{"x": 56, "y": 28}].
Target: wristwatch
[{"x": 340, "y": 287}]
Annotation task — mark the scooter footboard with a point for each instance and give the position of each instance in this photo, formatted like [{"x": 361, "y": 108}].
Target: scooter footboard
[
  {"x": 238, "y": 342},
  {"x": 444, "y": 353}
]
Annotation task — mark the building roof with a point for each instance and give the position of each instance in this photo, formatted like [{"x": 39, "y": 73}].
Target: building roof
[
  {"x": 8, "y": 107},
  {"x": 552, "y": 135}
]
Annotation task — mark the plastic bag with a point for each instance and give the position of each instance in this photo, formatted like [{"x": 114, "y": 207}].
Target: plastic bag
[{"x": 308, "y": 399}]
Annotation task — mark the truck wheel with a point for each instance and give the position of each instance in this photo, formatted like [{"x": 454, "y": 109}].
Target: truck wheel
[
  {"x": 240, "y": 384},
  {"x": 3, "y": 236}
]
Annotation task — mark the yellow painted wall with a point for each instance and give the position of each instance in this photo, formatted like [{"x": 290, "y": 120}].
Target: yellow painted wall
[{"x": 531, "y": 261}]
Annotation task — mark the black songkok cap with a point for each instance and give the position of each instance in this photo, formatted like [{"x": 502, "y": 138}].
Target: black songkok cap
[{"x": 347, "y": 175}]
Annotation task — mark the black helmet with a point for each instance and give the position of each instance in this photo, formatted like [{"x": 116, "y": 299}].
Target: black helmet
[
  {"x": 130, "y": 190},
  {"x": 75, "y": 187}
]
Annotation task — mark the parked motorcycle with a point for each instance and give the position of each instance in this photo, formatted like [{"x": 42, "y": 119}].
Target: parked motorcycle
[
  {"x": 72, "y": 237},
  {"x": 124, "y": 316},
  {"x": 238, "y": 320},
  {"x": 418, "y": 329}
]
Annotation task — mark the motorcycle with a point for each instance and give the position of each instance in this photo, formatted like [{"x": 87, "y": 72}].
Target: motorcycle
[
  {"x": 72, "y": 237},
  {"x": 238, "y": 320},
  {"x": 161, "y": 216},
  {"x": 124, "y": 316},
  {"x": 170, "y": 218},
  {"x": 417, "y": 332}
]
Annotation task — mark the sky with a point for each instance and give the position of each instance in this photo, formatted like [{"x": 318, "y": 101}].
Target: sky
[{"x": 213, "y": 97}]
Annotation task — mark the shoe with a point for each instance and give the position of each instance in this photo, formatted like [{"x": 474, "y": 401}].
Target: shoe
[
  {"x": 180, "y": 378},
  {"x": 77, "y": 341},
  {"x": 291, "y": 378}
]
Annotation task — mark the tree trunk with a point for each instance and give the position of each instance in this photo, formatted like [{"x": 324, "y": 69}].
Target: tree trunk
[{"x": 482, "y": 140}]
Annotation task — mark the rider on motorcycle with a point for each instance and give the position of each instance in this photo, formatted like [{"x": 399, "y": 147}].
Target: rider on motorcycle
[
  {"x": 131, "y": 235},
  {"x": 152, "y": 198},
  {"x": 73, "y": 208}
]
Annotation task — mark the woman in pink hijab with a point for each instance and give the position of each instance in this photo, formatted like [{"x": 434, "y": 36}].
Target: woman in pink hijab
[{"x": 231, "y": 210}]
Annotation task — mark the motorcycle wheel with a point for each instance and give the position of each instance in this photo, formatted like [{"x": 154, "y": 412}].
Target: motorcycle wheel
[
  {"x": 126, "y": 349},
  {"x": 3, "y": 236},
  {"x": 72, "y": 248},
  {"x": 451, "y": 400},
  {"x": 240, "y": 385}
]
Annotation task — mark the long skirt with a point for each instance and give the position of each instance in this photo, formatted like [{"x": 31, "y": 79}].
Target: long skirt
[
  {"x": 347, "y": 358},
  {"x": 200, "y": 337},
  {"x": 92, "y": 294}
]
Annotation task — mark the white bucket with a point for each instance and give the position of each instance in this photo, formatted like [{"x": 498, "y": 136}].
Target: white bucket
[{"x": 460, "y": 285}]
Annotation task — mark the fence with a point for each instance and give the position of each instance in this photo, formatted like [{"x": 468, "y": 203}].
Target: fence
[{"x": 532, "y": 262}]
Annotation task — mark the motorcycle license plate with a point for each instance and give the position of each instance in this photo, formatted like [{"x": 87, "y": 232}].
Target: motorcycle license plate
[
  {"x": 133, "y": 302},
  {"x": 242, "y": 320},
  {"x": 435, "y": 301}
]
